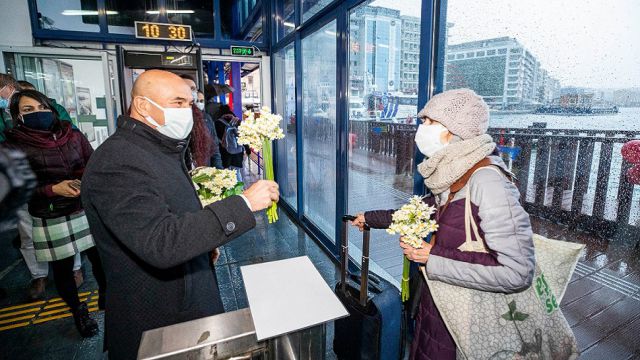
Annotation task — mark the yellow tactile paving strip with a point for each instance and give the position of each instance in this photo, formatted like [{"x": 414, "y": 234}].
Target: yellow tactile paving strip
[{"x": 42, "y": 311}]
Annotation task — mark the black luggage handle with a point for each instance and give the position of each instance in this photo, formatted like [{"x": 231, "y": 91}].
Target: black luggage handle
[{"x": 344, "y": 258}]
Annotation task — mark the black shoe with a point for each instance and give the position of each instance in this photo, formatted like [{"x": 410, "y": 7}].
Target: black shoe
[{"x": 84, "y": 323}]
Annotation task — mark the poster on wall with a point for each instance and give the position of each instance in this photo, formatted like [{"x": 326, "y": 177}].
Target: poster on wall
[
  {"x": 88, "y": 130},
  {"x": 84, "y": 101},
  {"x": 51, "y": 73},
  {"x": 68, "y": 88}
]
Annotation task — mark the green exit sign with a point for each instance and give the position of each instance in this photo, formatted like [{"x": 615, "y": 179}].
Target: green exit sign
[{"x": 243, "y": 50}]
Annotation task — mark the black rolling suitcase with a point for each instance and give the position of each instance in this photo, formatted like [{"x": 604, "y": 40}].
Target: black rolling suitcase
[{"x": 373, "y": 329}]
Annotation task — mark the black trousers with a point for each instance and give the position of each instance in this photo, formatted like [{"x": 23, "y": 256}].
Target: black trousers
[{"x": 65, "y": 283}]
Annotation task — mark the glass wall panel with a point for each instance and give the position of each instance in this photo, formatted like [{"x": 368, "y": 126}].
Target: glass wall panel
[
  {"x": 286, "y": 18},
  {"x": 122, "y": 14},
  {"x": 75, "y": 15},
  {"x": 384, "y": 38},
  {"x": 75, "y": 84},
  {"x": 312, "y": 7},
  {"x": 241, "y": 20},
  {"x": 548, "y": 70},
  {"x": 285, "y": 95},
  {"x": 319, "y": 127},
  {"x": 197, "y": 13}
]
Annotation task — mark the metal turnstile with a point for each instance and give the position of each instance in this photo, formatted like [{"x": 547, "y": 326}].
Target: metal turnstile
[{"x": 229, "y": 336}]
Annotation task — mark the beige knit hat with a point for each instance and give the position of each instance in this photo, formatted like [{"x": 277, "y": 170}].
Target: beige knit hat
[{"x": 461, "y": 111}]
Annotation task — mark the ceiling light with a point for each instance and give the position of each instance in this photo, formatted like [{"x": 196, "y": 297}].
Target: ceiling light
[
  {"x": 157, "y": 12},
  {"x": 86, "y": 12}
]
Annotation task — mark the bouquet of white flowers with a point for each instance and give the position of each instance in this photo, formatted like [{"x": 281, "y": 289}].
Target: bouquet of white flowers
[
  {"x": 413, "y": 222},
  {"x": 258, "y": 130},
  {"x": 215, "y": 184}
]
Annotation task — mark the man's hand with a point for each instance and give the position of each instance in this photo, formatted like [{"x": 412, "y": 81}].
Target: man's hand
[
  {"x": 262, "y": 194},
  {"x": 417, "y": 255},
  {"x": 65, "y": 189},
  {"x": 359, "y": 222}
]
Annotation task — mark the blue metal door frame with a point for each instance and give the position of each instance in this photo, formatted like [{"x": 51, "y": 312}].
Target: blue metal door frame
[
  {"x": 216, "y": 41},
  {"x": 430, "y": 79}
]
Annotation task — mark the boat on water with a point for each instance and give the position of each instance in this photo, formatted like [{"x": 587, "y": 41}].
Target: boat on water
[
  {"x": 576, "y": 111},
  {"x": 577, "y": 104}
]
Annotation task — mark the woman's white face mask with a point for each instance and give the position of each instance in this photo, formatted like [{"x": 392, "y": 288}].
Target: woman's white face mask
[{"x": 428, "y": 138}]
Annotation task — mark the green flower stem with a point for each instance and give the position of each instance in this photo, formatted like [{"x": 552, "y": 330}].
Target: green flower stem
[
  {"x": 267, "y": 157},
  {"x": 406, "y": 266}
]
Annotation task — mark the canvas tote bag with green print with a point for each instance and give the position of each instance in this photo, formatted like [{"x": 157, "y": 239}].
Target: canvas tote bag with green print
[{"x": 525, "y": 325}]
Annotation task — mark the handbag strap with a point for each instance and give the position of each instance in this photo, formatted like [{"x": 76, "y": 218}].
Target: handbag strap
[{"x": 470, "y": 244}]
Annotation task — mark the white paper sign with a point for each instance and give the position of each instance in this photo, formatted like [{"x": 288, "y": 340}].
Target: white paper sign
[{"x": 288, "y": 295}]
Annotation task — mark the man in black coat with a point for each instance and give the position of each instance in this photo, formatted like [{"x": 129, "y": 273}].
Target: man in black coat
[{"x": 151, "y": 231}]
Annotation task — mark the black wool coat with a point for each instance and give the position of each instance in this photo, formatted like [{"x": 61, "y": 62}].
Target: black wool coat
[{"x": 153, "y": 235}]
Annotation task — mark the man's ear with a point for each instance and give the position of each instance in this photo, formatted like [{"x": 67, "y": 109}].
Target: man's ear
[{"x": 140, "y": 105}]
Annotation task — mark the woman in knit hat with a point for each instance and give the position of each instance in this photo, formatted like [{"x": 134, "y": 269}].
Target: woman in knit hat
[{"x": 461, "y": 161}]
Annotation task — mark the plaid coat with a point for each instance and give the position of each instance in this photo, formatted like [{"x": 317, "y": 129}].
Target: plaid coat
[{"x": 60, "y": 228}]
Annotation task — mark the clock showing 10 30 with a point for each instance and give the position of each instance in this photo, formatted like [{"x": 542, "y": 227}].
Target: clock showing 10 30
[{"x": 160, "y": 31}]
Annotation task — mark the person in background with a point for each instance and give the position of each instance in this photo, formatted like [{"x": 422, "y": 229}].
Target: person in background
[
  {"x": 8, "y": 86},
  {"x": 453, "y": 136},
  {"x": 211, "y": 107},
  {"x": 216, "y": 158},
  {"x": 226, "y": 129},
  {"x": 153, "y": 234},
  {"x": 62, "y": 112},
  {"x": 202, "y": 144},
  {"x": 39, "y": 270},
  {"x": 58, "y": 155}
]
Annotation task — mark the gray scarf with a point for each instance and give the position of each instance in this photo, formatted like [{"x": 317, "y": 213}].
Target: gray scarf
[{"x": 449, "y": 164}]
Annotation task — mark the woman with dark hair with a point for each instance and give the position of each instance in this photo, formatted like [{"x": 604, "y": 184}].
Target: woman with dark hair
[
  {"x": 201, "y": 142},
  {"x": 58, "y": 155}
]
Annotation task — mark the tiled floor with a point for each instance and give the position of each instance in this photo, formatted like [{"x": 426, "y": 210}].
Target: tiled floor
[{"x": 58, "y": 339}]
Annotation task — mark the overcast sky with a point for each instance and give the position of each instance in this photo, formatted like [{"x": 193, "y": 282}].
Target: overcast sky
[{"x": 590, "y": 43}]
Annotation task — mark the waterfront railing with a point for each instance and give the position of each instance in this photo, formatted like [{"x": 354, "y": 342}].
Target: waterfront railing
[{"x": 570, "y": 176}]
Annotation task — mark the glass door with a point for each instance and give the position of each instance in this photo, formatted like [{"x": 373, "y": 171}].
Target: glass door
[
  {"x": 319, "y": 90},
  {"x": 384, "y": 40},
  {"x": 79, "y": 83}
]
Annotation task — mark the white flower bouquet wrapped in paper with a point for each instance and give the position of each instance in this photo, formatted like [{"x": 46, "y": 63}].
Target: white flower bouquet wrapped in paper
[
  {"x": 214, "y": 184},
  {"x": 414, "y": 223},
  {"x": 258, "y": 130}
]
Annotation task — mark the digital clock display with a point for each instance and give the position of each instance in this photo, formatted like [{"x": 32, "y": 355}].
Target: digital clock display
[{"x": 158, "y": 31}]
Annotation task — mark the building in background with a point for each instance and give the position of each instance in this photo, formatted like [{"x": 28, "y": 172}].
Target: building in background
[
  {"x": 375, "y": 67},
  {"x": 502, "y": 71},
  {"x": 627, "y": 97},
  {"x": 410, "y": 55}
]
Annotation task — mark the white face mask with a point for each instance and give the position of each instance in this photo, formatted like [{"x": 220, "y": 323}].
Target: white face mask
[
  {"x": 200, "y": 105},
  {"x": 428, "y": 138},
  {"x": 178, "y": 122}
]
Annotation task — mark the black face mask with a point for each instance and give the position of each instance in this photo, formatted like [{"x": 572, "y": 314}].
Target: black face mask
[{"x": 39, "y": 120}]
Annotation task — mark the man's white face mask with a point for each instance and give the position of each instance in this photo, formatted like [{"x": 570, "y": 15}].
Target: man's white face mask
[
  {"x": 428, "y": 138},
  {"x": 178, "y": 122}
]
